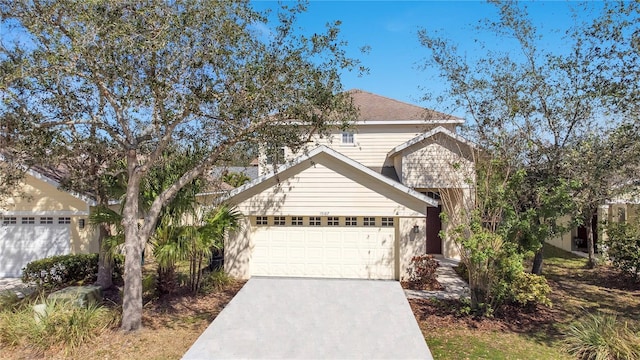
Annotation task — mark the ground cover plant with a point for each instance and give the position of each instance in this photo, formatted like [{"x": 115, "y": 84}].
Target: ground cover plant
[{"x": 171, "y": 324}]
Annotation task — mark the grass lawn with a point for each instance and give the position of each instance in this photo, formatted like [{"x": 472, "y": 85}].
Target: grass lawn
[{"x": 535, "y": 334}]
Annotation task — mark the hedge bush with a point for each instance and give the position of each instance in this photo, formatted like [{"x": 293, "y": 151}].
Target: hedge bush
[
  {"x": 422, "y": 271},
  {"x": 64, "y": 270},
  {"x": 623, "y": 247}
]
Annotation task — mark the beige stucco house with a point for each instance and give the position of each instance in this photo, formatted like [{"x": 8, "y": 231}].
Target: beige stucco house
[
  {"x": 358, "y": 203},
  {"x": 43, "y": 221},
  {"x": 623, "y": 208}
]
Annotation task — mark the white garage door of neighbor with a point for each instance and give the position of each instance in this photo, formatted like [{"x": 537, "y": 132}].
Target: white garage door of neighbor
[
  {"x": 329, "y": 251},
  {"x": 21, "y": 244}
]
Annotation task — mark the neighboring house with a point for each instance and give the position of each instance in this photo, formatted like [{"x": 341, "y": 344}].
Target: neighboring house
[
  {"x": 43, "y": 221},
  {"x": 355, "y": 204},
  {"x": 620, "y": 209}
]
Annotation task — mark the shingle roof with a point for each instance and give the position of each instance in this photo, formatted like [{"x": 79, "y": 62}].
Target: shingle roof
[{"x": 380, "y": 108}]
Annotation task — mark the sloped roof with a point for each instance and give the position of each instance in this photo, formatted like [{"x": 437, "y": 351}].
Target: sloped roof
[
  {"x": 320, "y": 154},
  {"x": 430, "y": 134},
  {"x": 379, "y": 108}
]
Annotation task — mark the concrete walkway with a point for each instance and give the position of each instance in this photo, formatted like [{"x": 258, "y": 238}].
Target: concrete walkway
[
  {"x": 454, "y": 286},
  {"x": 302, "y": 318}
]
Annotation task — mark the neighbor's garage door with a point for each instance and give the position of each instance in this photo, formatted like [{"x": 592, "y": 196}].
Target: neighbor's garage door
[
  {"x": 324, "y": 251},
  {"x": 21, "y": 244}
]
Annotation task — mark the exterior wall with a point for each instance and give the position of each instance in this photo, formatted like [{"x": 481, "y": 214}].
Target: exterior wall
[
  {"x": 410, "y": 244},
  {"x": 320, "y": 191},
  {"x": 371, "y": 144},
  {"x": 45, "y": 199},
  {"x": 456, "y": 203},
  {"x": 432, "y": 166},
  {"x": 564, "y": 240},
  {"x": 237, "y": 252}
]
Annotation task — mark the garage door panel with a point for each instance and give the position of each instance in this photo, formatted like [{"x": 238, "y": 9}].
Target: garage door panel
[
  {"x": 338, "y": 252},
  {"x": 22, "y": 244}
]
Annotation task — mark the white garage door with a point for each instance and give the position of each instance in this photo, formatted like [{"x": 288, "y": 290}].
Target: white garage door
[
  {"x": 21, "y": 244},
  {"x": 324, "y": 251}
]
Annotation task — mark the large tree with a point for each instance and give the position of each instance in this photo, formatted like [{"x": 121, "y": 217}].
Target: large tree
[
  {"x": 152, "y": 75},
  {"x": 529, "y": 102}
]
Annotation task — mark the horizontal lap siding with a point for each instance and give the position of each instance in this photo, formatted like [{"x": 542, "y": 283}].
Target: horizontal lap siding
[
  {"x": 373, "y": 143},
  {"x": 321, "y": 191}
]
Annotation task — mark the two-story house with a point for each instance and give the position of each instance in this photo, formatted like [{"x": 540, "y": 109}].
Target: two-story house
[{"x": 357, "y": 204}]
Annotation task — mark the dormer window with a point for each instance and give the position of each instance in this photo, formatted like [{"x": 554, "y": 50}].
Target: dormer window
[{"x": 347, "y": 137}]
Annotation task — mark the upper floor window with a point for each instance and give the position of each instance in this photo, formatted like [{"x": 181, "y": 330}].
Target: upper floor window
[
  {"x": 275, "y": 155},
  {"x": 347, "y": 137}
]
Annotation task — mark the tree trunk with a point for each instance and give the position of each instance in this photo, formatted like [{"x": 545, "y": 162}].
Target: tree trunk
[
  {"x": 105, "y": 261},
  {"x": 133, "y": 245},
  {"x": 590, "y": 245},
  {"x": 537, "y": 261}
]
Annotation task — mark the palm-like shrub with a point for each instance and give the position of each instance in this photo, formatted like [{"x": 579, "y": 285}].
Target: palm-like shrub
[
  {"x": 601, "y": 337},
  {"x": 195, "y": 242}
]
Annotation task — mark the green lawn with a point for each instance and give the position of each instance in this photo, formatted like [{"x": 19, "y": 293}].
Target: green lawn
[{"x": 576, "y": 290}]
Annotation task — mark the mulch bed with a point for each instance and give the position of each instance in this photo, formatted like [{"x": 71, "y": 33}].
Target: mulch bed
[
  {"x": 436, "y": 314},
  {"x": 429, "y": 286}
]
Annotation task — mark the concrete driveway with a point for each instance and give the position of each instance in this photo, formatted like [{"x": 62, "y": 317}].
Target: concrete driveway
[{"x": 295, "y": 318}]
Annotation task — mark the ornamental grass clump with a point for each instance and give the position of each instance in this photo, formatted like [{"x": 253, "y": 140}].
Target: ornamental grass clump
[
  {"x": 58, "y": 326},
  {"x": 601, "y": 337}
]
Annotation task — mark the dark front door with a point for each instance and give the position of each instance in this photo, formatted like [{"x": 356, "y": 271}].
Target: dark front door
[{"x": 434, "y": 225}]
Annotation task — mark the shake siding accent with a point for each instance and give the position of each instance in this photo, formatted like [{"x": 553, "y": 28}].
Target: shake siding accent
[
  {"x": 320, "y": 191},
  {"x": 438, "y": 171}
]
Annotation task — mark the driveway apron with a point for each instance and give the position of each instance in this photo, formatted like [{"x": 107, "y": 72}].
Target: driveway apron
[{"x": 296, "y": 318}]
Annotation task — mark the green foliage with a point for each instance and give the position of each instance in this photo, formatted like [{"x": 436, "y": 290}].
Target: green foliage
[
  {"x": 530, "y": 289},
  {"x": 62, "y": 324},
  {"x": 63, "y": 270},
  {"x": 235, "y": 179},
  {"x": 215, "y": 281},
  {"x": 422, "y": 271},
  {"x": 623, "y": 247},
  {"x": 601, "y": 337}
]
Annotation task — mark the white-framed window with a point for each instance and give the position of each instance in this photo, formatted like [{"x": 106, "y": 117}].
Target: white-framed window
[
  {"x": 29, "y": 220},
  {"x": 279, "y": 220},
  {"x": 46, "y": 220},
  {"x": 351, "y": 221},
  {"x": 348, "y": 137},
  {"x": 314, "y": 221},
  {"x": 9, "y": 220},
  {"x": 387, "y": 221},
  {"x": 333, "y": 221},
  {"x": 262, "y": 220},
  {"x": 81, "y": 223},
  {"x": 297, "y": 221},
  {"x": 64, "y": 220},
  {"x": 369, "y": 221}
]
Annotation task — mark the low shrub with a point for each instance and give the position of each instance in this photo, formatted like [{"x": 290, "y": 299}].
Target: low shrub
[
  {"x": 422, "y": 271},
  {"x": 63, "y": 270},
  {"x": 62, "y": 325},
  {"x": 529, "y": 289},
  {"x": 623, "y": 247},
  {"x": 215, "y": 281},
  {"x": 601, "y": 336}
]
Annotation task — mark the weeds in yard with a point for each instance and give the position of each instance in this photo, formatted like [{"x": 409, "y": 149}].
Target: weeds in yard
[
  {"x": 601, "y": 337},
  {"x": 215, "y": 281},
  {"x": 58, "y": 325}
]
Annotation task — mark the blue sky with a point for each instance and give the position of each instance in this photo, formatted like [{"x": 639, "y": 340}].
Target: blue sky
[{"x": 390, "y": 29}]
